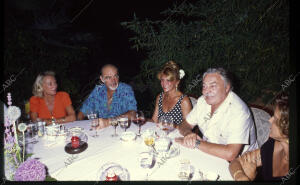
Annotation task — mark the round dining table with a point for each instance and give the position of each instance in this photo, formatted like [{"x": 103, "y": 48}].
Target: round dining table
[{"x": 106, "y": 150}]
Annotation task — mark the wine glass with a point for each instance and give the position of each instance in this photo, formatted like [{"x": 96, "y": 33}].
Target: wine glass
[
  {"x": 94, "y": 123},
  {"x": 139, "y": 120},
  {"x": 149, "y": 138},
  {"x": 123, "y": 122},
  {"x": 166, "y": 124},
  {"x": 146, "y": 161},
  {"x": 114, "y": 123},
  {"x": 90, "y": 116}
]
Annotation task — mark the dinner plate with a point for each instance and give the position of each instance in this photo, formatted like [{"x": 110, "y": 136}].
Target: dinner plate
[{"x": 122, "y": 173}]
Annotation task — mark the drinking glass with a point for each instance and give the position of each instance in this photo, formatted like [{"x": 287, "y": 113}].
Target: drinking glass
[
  {"x": 146, "y": 160},
  {"x": 166, "y": 124},
  {"x": 94, "y": 123},
  {"x": 139, "y": 120},
  {"x": 123, "y": 122},
  {"x": 32, "y": 131},
  {"x": 184, "y": 169},
  {"x": 149, "y": 138},
  {"x": 114, "y": 123}
]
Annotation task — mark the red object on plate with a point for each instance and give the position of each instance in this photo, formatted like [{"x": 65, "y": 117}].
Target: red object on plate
[
  {"x": 111, "y": 176},
  {"x": 75, "y": 142}
]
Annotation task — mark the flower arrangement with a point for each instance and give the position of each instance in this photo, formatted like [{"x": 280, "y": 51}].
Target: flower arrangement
[
  {"x": 19, "y": 168},
  {"x": 31, "y": 170}
]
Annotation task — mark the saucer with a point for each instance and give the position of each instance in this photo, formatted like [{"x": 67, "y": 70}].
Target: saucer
[{"x": 82, "y": 146}]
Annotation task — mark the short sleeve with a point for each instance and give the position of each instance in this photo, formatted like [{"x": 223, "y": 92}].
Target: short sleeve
[
  {"x": 34, "y": 104},
  {"x": 240, "y": 129},
  {"x": 89, "y": 104},
  {"x": 130, "y": 101},
  {"x": 193, "y": 117}
]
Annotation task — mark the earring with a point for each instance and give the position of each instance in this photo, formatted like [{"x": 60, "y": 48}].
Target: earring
[
  {"x": 176, "y": 88},
  {"x": 287, "y": 141}
]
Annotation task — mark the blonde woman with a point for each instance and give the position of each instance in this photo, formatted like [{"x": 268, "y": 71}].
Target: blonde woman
[
  {"x": 271, "y": 161},
  {"x": 49, "y": 105},
  {"x": 171, "y": 102}
]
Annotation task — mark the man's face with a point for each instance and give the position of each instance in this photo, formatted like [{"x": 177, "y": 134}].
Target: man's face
[
  {"x": 110, "y": 77},
  {"x": 214, "y": 90}
]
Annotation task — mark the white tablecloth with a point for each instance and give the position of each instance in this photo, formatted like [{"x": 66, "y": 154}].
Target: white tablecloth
[{"x": 85, "y": 166}]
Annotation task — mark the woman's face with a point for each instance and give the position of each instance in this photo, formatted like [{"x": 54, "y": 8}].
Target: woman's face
[
  {"x": 49, "y": 85},
  {"x": 166, "y": 84},
  {"x": 275, "y": 131}
]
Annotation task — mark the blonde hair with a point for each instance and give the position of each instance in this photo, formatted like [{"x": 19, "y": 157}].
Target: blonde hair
[
  {"x": 281, "y": 102},
  {"x": 171, "y": 70},
  {"x": 38, "y": 84}
]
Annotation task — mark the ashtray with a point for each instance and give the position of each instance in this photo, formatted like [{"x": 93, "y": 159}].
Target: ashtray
[{"x": 70, "y": 150}]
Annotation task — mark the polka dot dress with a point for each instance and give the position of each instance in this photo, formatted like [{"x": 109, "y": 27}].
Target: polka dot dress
[{"x": 175, "y": 113}]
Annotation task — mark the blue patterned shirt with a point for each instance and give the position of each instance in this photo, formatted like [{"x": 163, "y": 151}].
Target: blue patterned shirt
[{"x": 123, "y": 101}]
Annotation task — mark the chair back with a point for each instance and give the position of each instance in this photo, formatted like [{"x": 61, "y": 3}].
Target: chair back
[
  {"x": 262, "y": 124},
  {"x": 193, "y": 101}
]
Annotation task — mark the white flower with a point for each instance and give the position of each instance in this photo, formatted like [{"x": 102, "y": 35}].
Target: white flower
[
  {"x": 13, "y": 113},
  {"x": 181, "y": 73},
  {"x": 22, "y": 127}
]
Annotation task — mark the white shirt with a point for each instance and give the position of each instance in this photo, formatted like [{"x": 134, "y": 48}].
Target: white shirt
[{"x": 231, "y": 123}]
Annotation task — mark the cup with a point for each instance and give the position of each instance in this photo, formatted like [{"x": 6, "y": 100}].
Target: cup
[
  {"x": 41, "y": 128},
  {"x": 184, "y": 169}
]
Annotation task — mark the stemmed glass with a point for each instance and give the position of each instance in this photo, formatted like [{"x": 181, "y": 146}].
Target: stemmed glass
[
  {"x": 149, "y": 138},
  {"x": 139, "y": 120},
  {"x": 146, "y": 161},
  {"x": 94, "y": 122},
  {"x": 114, "y": 123},
  {"x": 166, "y": 124},
  {"x": 123, "y": 122}
]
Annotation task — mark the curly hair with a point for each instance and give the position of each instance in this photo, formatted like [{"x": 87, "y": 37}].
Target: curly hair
[
  {"x": 37, "y": 89},
  {"x": 171, "y": 70},
  {"x": 281, "y": 102}
]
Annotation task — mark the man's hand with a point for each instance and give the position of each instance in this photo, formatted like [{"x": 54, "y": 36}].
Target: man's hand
[
  {"x": 188, "y": 140},
  {"x": 103, "y": 123}
]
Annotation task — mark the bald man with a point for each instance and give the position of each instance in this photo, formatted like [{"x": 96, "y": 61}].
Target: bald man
[{"x": 111, "y": 99}]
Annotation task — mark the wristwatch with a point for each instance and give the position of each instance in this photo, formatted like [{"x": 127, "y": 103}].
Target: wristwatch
[{"x": 197, "y": 143}]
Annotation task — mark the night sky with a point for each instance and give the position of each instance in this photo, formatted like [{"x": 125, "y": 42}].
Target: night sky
[{"x": 104, "y": 18}]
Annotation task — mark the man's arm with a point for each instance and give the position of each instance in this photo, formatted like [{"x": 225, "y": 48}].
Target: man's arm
[
  {"x": 185, "y": 128},
  {"x": 80, "y": 115},
  {"x": 227, "y": 152}
]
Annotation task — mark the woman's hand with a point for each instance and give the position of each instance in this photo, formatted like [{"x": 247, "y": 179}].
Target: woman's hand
[{"x": 248, "y": 162}]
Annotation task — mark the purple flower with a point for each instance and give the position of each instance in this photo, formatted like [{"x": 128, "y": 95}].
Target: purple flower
[{"x": 31, "y": 170}]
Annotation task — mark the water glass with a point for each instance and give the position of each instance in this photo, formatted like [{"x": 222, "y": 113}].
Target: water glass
[
  {"x": 123, "y": 122},
  {"x": 94, "y": 123},
  {"x": 184, "y": 169},
  {"x": 146, "y": 160},
  {"x": 114, "y": 123}
]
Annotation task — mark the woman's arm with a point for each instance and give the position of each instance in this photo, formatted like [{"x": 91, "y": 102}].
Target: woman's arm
[
  {"x": 244, "y": 167},
  {"x": 155, "y": 113},
  {"x": 186, "y": 106},
  {"x": 71, "y": 116}
]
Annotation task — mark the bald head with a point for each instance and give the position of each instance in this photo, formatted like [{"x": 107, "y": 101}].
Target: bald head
[{"x": 108, "y": 67}]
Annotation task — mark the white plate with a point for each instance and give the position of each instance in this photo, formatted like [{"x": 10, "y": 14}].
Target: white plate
[{"x": 128, "y": 136}]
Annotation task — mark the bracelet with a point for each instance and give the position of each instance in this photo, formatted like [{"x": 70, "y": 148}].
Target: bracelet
[{"x": 237, "y": 172}]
